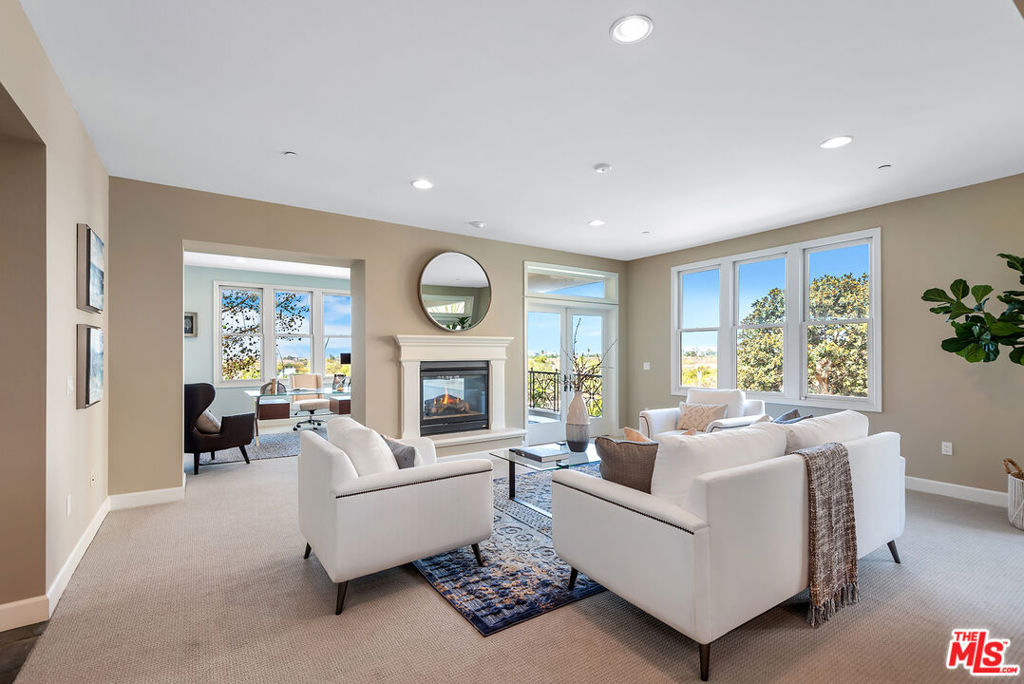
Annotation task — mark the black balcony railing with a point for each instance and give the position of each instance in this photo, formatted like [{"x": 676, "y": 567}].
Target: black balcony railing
[{"x": 544, "y": 389}]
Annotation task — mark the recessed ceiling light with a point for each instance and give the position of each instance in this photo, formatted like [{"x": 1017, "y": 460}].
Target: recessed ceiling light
[
  {"x": 602, "y": 168},
  {"x": 478, "y": 224},
  {"x": 631, "y": 29},
  {"x": 289, "y": 153},
  {"x": 422, "y": 184},
  {"x": 884, "y": 167},
  {"x": 596, "y": 223},
  {"x": 645, "y": 232},
  {"x": 838, "y": 141}
]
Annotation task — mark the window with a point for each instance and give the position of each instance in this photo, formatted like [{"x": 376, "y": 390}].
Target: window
[
  {"x": 797, "y": 324},
  {"x": 550, "y": 281},
  {"x": 300, "y": 330}
]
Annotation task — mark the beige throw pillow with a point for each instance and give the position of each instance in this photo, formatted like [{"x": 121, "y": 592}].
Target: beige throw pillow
[
  {"x": 207, "y": 423},
  {"x": 635, "y": 435},
  {"x": 699, "y": 416},
  {"x": 630, "y": 464}
]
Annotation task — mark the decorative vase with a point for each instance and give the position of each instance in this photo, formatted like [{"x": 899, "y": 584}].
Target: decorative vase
[{"x": 577, "y": 424}]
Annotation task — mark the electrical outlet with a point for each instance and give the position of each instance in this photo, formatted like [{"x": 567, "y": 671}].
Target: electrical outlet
[
  {"x": 92, "y": 479},
  {"x": 69, "y": 505},
  {"x": 947, "y": 448},
  {"x": 647, "y": 365},
  {"x": 71, "y": 385}
]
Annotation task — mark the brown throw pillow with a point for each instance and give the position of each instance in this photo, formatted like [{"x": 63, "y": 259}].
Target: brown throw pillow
[
  {"x": 699, "y": 416},
  {"x": 630, "y": 464},
  {"x": 635, "y": 435}
]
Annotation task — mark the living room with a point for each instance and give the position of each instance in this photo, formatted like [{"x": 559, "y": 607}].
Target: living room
[{"x": 650, "y": 232}]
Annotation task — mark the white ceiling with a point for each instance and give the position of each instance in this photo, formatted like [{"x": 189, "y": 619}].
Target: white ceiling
[
  {"x": 239, "y": 263},
  {"x": 454, "y": 269},
  {"x": 712, "y": 124}
]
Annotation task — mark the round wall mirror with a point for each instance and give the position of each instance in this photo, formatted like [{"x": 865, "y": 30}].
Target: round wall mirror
[{"x": 454, "y": 291}]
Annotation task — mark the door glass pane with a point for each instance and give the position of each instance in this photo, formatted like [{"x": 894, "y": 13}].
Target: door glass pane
[
  {"x": 761, "y": 292},
  {"x": 698, "y": 362},
  {"x": 338, "y": 356},
  {"x": 837, "y": 359},
  {"x": 338, "y": 315},
  {"x": 588, "y": 360},
  {"x": 240, "y": 357},
  {"x": 239, "y": 311},
  {"x": 759, "y": 359},
  {"x": 543, "y": 348},
  {"x": 838, "y": 283},
  {"x": 700, "y": 299},
  {"x": 293, "y": 355},
  {"x": 291, "y": 312}
]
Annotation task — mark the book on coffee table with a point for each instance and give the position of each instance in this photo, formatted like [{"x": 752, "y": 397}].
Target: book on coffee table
[{"x": 544, "y": 452}]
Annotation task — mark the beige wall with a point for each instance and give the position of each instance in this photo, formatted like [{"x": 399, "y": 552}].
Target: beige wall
[
  {"x": 928, "y": 395},
  {"x": 76, "y": 192},
  {"x": 148, "y": 227}
]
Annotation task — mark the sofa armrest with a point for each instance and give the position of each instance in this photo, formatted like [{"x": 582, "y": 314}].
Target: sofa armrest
[
  {"x": 653, "y": 421},
  {"x": 239, "y": 428},
  {"x": 424, "y": 447},
  {"x": 407, "y": 477},
  {"x": 727, "y": 423}
]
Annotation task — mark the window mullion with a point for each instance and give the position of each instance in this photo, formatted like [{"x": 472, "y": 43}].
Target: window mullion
[
  {"x": 727, "y": 324},
  {"x": 793, "y": 350}
]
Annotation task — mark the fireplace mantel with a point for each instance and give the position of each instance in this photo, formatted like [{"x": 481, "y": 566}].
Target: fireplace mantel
[{"x": 412, "y": 349}]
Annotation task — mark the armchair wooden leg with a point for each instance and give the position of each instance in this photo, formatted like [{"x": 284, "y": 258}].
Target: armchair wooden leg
[
  {"x": 573, "y": 573},
  {"x": 705, "y": 661},
  {"x": 893, "y": 551},
  {"x": 195, "y": 464},
  {"x": 308, "y": 549},
  {"x": 245, "y": 455},
  {"x": 213, "y": 455},
  {"x": 342, "y": 589},
  {"x": 479, "y": 558}
]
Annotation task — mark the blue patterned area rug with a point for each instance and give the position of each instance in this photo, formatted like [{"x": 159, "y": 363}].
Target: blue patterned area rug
[{"x": 522, "y": 576}]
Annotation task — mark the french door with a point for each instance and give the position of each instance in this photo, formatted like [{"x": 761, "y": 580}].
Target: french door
[{"x": 569, "y": 347}]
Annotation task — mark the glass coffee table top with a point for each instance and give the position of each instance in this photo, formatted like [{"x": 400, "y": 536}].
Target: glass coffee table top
[{"x": 573, "y": 458}]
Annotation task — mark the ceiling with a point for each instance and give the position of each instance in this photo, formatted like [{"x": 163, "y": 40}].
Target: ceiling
[
  {"x": 239, "y": 263},
  {"x": 711, "y": 125}
]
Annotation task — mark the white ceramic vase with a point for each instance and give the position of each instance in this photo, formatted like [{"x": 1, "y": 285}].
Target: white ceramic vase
[{"x": 577, "y": 424}]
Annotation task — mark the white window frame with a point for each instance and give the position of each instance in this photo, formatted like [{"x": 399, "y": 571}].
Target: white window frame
[
  {"x": 610, "y": 277},
  {"x": 795, "y": 327},
  {"x": 268, "y": 333}
]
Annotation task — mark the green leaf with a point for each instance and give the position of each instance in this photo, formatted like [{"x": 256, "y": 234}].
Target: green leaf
[
  {"x": 981, "y": 291},
  {"x": 941, "y": 309},
  {"x": 936, "y": 294},
  {"x": 1014, "y": 262},
  {"x": 973, "y": 353},
  {"x": 1004, "y": 329},
  {"x": 955, "y": 344},
  {"x": 1017, "y": 355},
  {"x": 959, "y": 288},
  {"x": 959, "y": 309}
]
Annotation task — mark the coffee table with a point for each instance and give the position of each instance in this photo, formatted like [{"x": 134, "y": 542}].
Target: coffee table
[{"x": 573, "y": 458}]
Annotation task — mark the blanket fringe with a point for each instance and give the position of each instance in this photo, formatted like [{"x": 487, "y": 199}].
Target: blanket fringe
[{"x": 847, "y": 595}]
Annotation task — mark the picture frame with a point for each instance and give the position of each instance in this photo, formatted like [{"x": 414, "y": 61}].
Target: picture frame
[
  {"x": 191, "y": 324},
  {"x": 92, "y": 267},
  {"x": 90, "y": 365}
]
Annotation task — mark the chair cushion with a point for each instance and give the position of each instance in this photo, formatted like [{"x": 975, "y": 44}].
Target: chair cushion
[
  {"x": 630, "y": 464},
  {"x": 312, "y": 404},
  {"x": 405, "y": 454},
  {"x": 699, "y": 416},
  {"x": 681, "y": 459},
  {"x": 207, "y": 423},
  {"x": 366, "y": 449},
  {"x": 835, "y": 427},
  {"x": 733, "y": 398}
]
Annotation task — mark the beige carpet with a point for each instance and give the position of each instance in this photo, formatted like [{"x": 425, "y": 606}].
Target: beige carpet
[{"x": 214, "y": 589}]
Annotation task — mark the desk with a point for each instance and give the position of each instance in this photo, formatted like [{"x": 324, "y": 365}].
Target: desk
[{"x": 341, "y": 402}]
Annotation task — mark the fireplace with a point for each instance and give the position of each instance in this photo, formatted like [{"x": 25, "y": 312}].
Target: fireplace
[{"x": 453, "y": 396}]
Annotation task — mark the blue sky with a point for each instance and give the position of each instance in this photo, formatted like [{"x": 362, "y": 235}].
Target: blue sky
[{"x": 543, "y": 332}]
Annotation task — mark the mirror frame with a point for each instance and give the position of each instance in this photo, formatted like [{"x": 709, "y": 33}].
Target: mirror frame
[{"x": 423, "y": 306}]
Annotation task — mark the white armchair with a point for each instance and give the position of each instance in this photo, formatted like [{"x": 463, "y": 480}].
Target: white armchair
[
  {"x": 741, "y": 412},
  {"x": 361, "y": 514}
]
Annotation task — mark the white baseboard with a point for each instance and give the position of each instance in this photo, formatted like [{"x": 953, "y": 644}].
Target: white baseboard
[
  {"x": 24, "y": 612},
  {"x": 60, "y": 582},
  {"x": 976, "y": 494},
  {"x": 148, "y": 498}
]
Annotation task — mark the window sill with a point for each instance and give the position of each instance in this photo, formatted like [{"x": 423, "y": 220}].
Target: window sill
[{"x": 864, "y": 405}]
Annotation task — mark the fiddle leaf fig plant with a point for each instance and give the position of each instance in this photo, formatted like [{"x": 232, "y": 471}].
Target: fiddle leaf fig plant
[{"x": 979, "y": 333}]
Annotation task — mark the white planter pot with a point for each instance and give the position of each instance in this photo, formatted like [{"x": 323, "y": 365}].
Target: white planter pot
[
  {"x": 577, "y": 424},
  {"x": 1015, "y": 501}
]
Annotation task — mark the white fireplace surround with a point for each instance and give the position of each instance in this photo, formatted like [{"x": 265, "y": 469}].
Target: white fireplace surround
[{"x": 413, "y": 349}]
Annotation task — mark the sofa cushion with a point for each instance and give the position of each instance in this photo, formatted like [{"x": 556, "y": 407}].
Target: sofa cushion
[
  {"x": 699, "y": 416},
  {"x": 405, "y": 454},
  {"x": 733, "y": 398},
  {"x": 207, "y": 423},
  {"x": 835, "y": 427},
  {"x": 674, "y": 433},
  {"x": 366, "y": 449},
  {"x": 681, "y": 459},
  {"x": 630, "y": 464}
]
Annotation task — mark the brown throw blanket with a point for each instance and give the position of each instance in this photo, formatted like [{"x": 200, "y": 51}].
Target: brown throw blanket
[{"x": 833, "y": 531}]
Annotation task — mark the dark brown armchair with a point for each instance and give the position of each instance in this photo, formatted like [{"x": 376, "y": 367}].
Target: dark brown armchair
[{"x": 235, "y": 431}]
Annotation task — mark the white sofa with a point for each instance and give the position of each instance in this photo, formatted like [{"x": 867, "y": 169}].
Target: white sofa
[
  {"x": 656, "y": 423},
  {"x": 361, "y": 514},
  {"x": 706, "y": 552}
]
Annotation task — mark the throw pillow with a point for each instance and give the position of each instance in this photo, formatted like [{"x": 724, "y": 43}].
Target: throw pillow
[
  {"x": 699, "y": 416},
  {"x": 207, "y": 423},
  {"x": 405, "y": 454},
  {"x": 630, "y": 464},
  {"x": 790, "y": 417},
  {"x": 366, "y": 449},
  {"x": 635, "y": 435}
]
